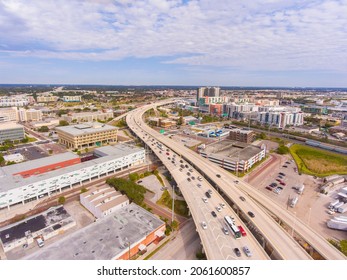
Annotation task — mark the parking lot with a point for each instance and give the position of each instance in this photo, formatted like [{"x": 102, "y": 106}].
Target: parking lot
[{"x": 311, "y": 207}]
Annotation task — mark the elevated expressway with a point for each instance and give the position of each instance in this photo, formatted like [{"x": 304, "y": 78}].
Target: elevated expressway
[
  {"x": 216, "y": 244},
  {"x": 283, "y": 245}
]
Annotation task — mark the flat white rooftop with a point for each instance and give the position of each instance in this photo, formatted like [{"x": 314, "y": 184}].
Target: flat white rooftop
[
  {"x": 8, "y": 182},
  {"x": 9, "y": 125},
  {"x": 86, "y": 128},
  {"x": 104, "y": 239}
]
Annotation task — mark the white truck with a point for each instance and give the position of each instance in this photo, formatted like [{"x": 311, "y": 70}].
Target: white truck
[
  {"x": 332, "y": 204},
  {"x": 294, "y": 201},
  {"x": 342, "y": 208}
]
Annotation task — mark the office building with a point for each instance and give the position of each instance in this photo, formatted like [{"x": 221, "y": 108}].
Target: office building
[
  {"x": 88, "y": 116},
  {"x": 76, "y": 98},
  {"x": 11, "y": 131},
  {"x": 9, "y": 114},
  {"x": 47, "y": 98},
  {"x": 86, "y": 135},
  {"x": 280, "y": 117},
  {"x": 23, "y": 182},
  {"x": 16, "y": 100},
  {"x": 242, "y": 135},
  {"x": 28, "y": 115}
]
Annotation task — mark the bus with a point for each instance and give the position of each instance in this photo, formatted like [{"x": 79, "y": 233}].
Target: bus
[{"x": 234, "y": 229}]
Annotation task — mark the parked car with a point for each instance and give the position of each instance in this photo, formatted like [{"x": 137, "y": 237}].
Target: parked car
[
  {"x": 218, "y": 209},
  {"x": 213, "y": 214},
  {"x": 218, "y": 175},
  {"x": 222, "y": 205},
  {"x": 242, "y": 198}
]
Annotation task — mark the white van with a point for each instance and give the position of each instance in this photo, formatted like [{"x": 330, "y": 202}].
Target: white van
[{"x": 40, "y": 242}]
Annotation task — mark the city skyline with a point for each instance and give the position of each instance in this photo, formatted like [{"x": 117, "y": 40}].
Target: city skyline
[{"x": 157, "y": 42}]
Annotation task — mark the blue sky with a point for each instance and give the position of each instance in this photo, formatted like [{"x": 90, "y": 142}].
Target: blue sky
[{"x": 173, "y": 42}]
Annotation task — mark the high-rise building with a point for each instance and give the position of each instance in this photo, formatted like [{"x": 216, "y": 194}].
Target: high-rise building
[{"x": 207, "y": 91}]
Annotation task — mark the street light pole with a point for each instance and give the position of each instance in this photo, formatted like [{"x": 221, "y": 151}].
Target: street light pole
[{"x": 173, "y": 203}]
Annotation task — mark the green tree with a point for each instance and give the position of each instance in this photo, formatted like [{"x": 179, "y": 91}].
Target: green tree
[
  {"x": 2, "y": 160},
  {"x": 282, "y": 149},
  {"x": 43, "y": 129},
  {"x": 63, "y": 123},
  {"x": 61, "y": 200},
  {"x": 134, "y": 177}
]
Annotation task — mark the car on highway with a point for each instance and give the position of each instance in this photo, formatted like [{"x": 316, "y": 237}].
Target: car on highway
[
  {"x": 198, "y": 185},
  {"x": 191, "y": 170},
  {"x": 213, "y": 214},
  {"x": 222, "y": 205},
  {"x": 204, "y": 199},
  {"x": 188, "y": 173},
  {"x": 209, "y": 191},
  {"x": 251, "y": 214},
  {"x": 181, "y": 169},
  {"x": 242, "y": 198},
  {"x": 283, "y": 183},
  {"x": 285, "y": 166},
  {"x": 218, "y": 209},
  {"x": 199, "y": 178},
  {"x": 236, "y": 181},
  {"x": 268, "y": 188},
  {"x": 193, "y": 178},
  {"x": 243, "y": 232},
  {"x": 247, "y": 251},
  {"x": 181, "y": 161},
  {"x": 188, "y": 179},
  {"x": 237, "y": 252},
  {"x": 218, "y": 175},
  {"x": 208, "y": 194},
  {"x": 203, "y": 225},
  {"x": 187, "y": 166}
]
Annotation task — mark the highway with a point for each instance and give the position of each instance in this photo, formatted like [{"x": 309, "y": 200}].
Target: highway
[
  {"x": 216, "y": 244},
  {"x": 283, "y": 243}
]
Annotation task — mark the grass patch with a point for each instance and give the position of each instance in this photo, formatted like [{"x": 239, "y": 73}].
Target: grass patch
[
  {"x": 180, "y": 206},
  {"x": 318, "y": 162}
]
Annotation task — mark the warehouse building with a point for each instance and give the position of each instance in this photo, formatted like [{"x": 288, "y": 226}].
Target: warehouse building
[
  {"x": 44, "y": 226},
  {"x": 120, "y": 236},
  {"x": 103, "y": 201},
  {"x": 23, "y": 182}
]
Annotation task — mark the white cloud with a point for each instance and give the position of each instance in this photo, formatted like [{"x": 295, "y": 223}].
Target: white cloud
[{"x": 245, "y": 35}]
